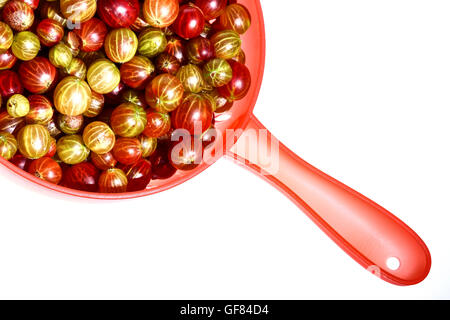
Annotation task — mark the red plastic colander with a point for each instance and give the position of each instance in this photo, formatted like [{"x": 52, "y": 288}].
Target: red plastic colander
[{"x": 371, "y": 235}]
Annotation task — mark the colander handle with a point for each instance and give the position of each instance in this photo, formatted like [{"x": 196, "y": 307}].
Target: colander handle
[{"x": 371, "y": 235}]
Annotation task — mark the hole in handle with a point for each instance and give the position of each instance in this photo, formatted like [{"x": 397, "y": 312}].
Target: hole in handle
[{"x": 393, "y": 263}]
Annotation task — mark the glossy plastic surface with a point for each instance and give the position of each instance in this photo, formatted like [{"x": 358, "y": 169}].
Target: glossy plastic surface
[{"x": 368, "y": 233}]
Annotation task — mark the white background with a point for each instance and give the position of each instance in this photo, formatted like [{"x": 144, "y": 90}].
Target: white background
[{"x": 358, "y": 88}]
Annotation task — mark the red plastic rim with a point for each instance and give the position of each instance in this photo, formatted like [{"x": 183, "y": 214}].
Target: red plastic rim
[{"x": 254, "y": 45}]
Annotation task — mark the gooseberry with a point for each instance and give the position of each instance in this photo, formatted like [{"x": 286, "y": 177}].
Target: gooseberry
[
  {"x": 160, "y": 13},
  {"x": 128, "y": 120},
  {"x": 33, "y": 141},
  {"x": 99, "y": 137},
  {"x": 72, "y": 96},
  {"x": 71, "y": 149},
  {"x": 164, "y": 93},
  {"x": 46, "y": 169},
  {"x": 113, "y": 181},
  {"x": 8, "y": 145}
]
